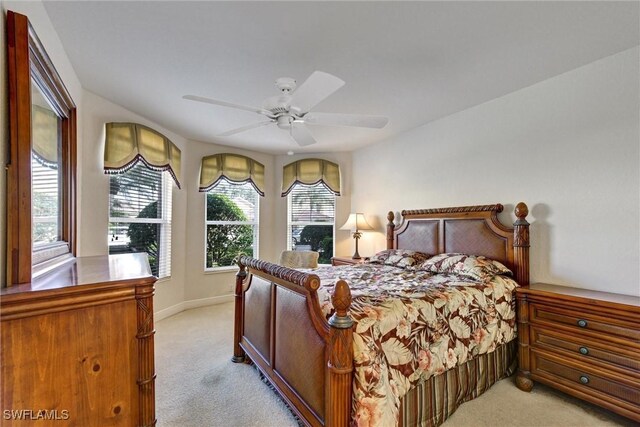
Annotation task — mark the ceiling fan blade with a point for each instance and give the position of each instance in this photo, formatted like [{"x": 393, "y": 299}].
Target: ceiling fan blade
[
  {"x": 226, "y": 104},
  {"x": 301, "y": 134},
  {"x": 247, "y": 127},
  {"x": 358, "y": 120},
  {"x": 316, "y": 88}
]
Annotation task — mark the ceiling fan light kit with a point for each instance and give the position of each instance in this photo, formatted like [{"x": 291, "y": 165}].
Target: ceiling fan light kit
[{"x": 290, "y": 109}]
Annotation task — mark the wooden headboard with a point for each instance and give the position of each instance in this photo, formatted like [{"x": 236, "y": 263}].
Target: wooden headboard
[{"x": 473, "y": 230}]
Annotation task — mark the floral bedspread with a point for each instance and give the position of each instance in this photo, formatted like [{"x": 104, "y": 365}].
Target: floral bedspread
[{"x": 411, "y": 325}]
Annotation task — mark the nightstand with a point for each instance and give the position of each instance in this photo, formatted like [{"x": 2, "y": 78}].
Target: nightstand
[
  {"x": 336, "y": 260},
  {"x": 584, "y": 343}
]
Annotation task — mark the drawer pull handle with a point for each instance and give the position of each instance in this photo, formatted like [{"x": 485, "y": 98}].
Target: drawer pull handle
[
  {"x": 584, "y": 379},
  {"x": 584, "y": 350},
  {"x": 582, "y": 323}
]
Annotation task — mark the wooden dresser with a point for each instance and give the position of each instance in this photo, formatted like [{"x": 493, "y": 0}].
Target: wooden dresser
[
  {"x": 77, "y": 345},
  {"x": 582, "y": 342}
]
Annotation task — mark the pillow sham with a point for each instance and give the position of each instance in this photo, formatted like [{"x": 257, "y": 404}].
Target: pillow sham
[
  {"x": 472, "y": 266},
  {"x": 399, "y": 258}
]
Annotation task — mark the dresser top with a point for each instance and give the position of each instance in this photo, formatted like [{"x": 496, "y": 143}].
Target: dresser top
[
  {"x": 595, "y": 297},
  {"x": 95, "y": 270}
]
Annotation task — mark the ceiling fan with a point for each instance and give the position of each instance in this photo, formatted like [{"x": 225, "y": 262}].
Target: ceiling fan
[{"x": 290, "y": 110}]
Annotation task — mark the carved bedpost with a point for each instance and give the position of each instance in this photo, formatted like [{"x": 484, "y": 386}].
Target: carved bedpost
[
  {"x": 390, "y": 228},
  {"x": 146, "y": 363},
  {"x": 523, "y": 379},
  {"x": 521, "y": 245},
  {"x": 340, "y": 359},
  {"x": 238, "y": 353}
]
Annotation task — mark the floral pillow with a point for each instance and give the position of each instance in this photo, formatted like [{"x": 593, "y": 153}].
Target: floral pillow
[
  {"x": 474, "y": 267},
  {"x": 403, "y": 258}
]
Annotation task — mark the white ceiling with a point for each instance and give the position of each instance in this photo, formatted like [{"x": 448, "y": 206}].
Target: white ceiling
[{"x": 413, "y": 62}]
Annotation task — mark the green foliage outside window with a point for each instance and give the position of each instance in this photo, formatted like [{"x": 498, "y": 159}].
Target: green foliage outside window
[
  {"x": 144, "y": 237},
  {"x": 226, "y": 241},
  {"x": 320, "y": 238},
  {"x": 45, "y": 205}
]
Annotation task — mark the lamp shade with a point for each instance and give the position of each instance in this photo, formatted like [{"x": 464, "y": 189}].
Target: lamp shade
[{"x": 356, "y": 221}]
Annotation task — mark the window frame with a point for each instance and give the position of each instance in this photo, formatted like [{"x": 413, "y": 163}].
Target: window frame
[
  {"x": 291, "y": 223},
  {"x": 255, "y": 224},
  {"x": 29, "y": 62},
  {"x": 166, "y": 191}
]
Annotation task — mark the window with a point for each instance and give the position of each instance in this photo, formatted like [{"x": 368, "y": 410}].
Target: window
[
  {"x": 311, "y": 219},
  {"x": 41, "y": 160},
  {"x": 231, "y": 223},
  {"x": 140, "y": 216}
]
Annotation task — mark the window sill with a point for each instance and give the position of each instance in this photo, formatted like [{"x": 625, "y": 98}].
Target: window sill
[
  {"x": 51, "y": 265},
  {"x": 229, "y": 269}
]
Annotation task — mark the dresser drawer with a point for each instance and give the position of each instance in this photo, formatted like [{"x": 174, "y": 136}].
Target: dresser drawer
[
  {"x": 550, "y": 315},
  {"x": 583, "y": 379},
  {"x": 587, "y": 349}
]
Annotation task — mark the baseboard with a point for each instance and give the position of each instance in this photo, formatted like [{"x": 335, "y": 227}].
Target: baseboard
[
  {"x": 187, "y": 305},
  {"x": 195, "y": 303},
  {"x": 168, "y": 312}
]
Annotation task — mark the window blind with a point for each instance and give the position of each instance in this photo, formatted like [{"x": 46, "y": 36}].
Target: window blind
[
  {"x": 311, "y": 204},
  {"x": 45, "y": 200},
  {"x": 231, "y": 226},
  {"x": 140, "y": 216},
  {"x": 311, "y": 219}
]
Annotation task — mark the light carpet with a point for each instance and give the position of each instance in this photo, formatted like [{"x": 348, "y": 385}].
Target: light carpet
[{"x": 197, "y": 385}]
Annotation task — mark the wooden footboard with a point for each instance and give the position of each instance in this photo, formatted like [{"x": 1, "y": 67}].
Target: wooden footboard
[{"x": 279, "y": 325}]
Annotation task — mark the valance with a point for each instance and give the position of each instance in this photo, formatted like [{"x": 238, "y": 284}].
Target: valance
[
  {"x": 311, "y": 172},
  {"x": 128, "y": 143},
  {"x": 45, "y": 129},
  {"x": 233, "y": 168}
]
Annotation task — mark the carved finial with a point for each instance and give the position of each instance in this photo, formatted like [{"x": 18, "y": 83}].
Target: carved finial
[
  {"x": 242, "y": 267},
  {"x": 341, "y": 298},
  {"x": 522, "y": 210},
  {"x": 391, "y": 217},
  {"x": 313, "y": 282}
]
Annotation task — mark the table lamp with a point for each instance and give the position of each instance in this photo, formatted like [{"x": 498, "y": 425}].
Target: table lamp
[{"x": 356, "y": 222}]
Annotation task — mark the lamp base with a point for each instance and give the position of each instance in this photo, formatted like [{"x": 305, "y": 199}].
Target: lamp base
[{"x": 356, "y": 237}]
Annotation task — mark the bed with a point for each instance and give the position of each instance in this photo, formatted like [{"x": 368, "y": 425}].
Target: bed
[{"x": 315, "y": 361}]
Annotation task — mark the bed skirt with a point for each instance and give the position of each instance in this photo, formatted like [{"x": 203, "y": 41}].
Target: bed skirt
[{"x": 431, "y": 402}]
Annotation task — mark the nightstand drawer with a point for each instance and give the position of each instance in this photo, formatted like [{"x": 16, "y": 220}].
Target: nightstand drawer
[
  {"x": 583, "y": 378},
  {"x": 541, "y": 313},
  {"x": 583, "y": 348}
]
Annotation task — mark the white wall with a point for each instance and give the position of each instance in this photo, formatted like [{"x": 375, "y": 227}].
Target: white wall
[
  {"x": 94, "y": 185},
  {"x": 568, "y": 147}
]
